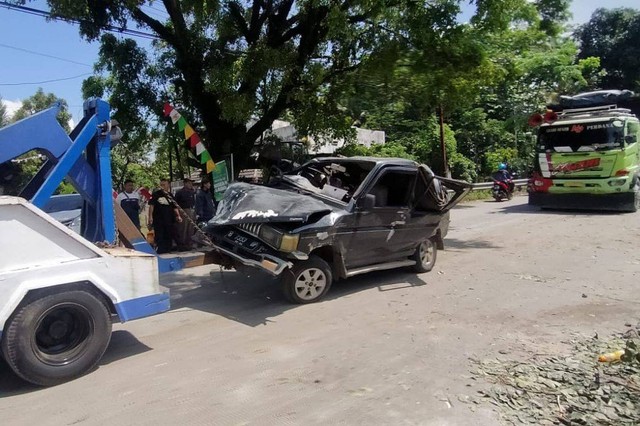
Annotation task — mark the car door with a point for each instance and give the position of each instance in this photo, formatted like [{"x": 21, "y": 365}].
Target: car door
[
  {"x": 429, "y": 205},
  {"x": 374, "y": 234}
]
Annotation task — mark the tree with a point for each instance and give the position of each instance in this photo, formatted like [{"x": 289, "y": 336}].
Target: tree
[
  {"x": 229, "y": 61},
  {"x": 4, "y": 117},
  {"x": 41, "y": 101},
  {"x": 226, "y": 62},
  {"x": 612, "y": 35}
]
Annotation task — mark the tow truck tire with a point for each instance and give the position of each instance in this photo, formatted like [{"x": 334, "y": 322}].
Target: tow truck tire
[
  {"x": 307, "y": 281},
  {"x": 425, "y": 256},
  {"x": 57, "y": 338}
]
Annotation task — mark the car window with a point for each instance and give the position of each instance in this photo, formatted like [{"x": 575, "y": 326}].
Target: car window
[
  {"x": 394, "y": 189},
  {"x": 336, "y": 179}
]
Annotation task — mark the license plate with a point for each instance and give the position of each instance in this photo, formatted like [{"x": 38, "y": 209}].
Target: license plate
[
  {"x": 574, "y": 184},
  {"x": 245, "y": 242}
]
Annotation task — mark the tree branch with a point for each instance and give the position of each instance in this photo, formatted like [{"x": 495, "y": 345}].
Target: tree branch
[
  {"x": 165, "y": 33},
  {"x": 177, "y": 17},
  {"x": 236, "y": 13}
]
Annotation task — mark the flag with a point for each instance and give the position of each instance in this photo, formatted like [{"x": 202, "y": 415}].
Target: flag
[
  {"x": 182, "y": 123},
  {"x": 200, "y": 148},
  {"x": 175, "y": 116},
  {"x": 188, "y": 132},
  {"x": 167, "y": 109},
  {"x": 210, "y": 166},
  {"x": 194, "y": 140},
  {"x": 205, "y": 157}
]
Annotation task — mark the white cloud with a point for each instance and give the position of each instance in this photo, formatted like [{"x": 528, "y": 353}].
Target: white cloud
[
  {"x": 12, "y": 106},
  {"x": 71, "y": 123}
]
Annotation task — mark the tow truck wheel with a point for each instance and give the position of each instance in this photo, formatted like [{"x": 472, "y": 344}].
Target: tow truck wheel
[
  {"x": 57, "y": 337},
  {"x": 307, "y": 281},
  {"x": 425, "y": 256}
]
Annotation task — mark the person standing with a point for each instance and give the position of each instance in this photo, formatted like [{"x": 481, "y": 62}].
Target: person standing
[
  {"x": 163, "y": 213},
  {"x": 205, "y": 207},
  {"x": 186, "y": 199},
  {"x": 129, "y": 200}
]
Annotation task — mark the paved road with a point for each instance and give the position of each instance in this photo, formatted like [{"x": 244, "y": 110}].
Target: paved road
[{"x": 387, "y": 348}]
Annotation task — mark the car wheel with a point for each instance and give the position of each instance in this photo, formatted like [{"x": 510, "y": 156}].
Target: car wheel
[
  {"x": 57, "y": 338},
  {"x": 307, "y": 281},
  {"x": 425, "y": 256}
]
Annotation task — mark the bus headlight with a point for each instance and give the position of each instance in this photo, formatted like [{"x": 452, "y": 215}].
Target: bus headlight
[{"x": 617, "y": 182}]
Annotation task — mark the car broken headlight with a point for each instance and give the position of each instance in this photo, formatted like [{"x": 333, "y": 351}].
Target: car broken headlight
[{"x": 280, "y": 240}]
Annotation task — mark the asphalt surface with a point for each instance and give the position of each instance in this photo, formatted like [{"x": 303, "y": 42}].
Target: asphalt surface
[{"x": 386, "y": 348}]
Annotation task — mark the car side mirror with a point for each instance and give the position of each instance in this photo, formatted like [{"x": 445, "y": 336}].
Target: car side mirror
[
  {"x": 367, "y": 202},
  {"x": 629, "y": 139}
]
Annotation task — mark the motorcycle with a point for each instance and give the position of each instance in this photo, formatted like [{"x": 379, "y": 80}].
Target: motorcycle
[{"x": 502, "y": 190}]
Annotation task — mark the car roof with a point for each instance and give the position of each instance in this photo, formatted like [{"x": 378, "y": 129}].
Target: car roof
[
  {"x": 64, "y": 202},
  {"x": 376, "y": 160}
]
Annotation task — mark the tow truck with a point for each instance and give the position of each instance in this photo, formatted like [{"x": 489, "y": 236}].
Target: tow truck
[{"x": 60, "y": 291}]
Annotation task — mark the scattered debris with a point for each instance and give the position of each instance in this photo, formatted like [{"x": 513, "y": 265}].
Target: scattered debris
[
  {"x": 611, "y": 356},
  {"x": 570, "y": 390}
]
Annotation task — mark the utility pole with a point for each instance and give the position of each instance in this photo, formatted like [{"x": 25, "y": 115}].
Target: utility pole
[
  {"x": 170, "y": 166},
  {"x": 443, "y": 149}
]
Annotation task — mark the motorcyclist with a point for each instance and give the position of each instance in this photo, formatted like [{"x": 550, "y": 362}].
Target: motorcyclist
[{"x": 503, "y": 175}]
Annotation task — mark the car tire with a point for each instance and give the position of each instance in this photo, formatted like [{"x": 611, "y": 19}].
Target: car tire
[
  {"x": 307, "y": 281},
  {"x": 57, "y": 338},
  {"x": 425, "y": 256}
]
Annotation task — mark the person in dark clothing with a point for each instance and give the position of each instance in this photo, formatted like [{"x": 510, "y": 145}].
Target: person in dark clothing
[
  {"x": 186, "y": 199},
  {"x": 163, "y": 213},
  {"x": 205, "y": 207},
  {"x": 130, "y": 202}
]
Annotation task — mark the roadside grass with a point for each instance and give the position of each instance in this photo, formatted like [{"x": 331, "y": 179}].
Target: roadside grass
[{"x": 485, "y": 194}]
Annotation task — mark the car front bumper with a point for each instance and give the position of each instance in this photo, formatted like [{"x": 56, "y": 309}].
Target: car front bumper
[{"x": 239, "y": 247}]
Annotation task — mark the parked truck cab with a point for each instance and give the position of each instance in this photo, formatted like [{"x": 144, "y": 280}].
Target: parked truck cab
[{"x": 588, "y": 158}]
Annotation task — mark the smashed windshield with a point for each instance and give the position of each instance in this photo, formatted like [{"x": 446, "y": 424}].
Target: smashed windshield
[
  {"x": 580, "y": 137},
  {"x": 336, "y": 179}
]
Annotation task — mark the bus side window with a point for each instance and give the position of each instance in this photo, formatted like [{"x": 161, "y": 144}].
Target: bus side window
[{"x": 633, "y": 132}]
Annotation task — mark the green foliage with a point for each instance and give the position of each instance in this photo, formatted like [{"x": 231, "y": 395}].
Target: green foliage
[
  {"x": 612, "y": 35},
  {"x": 476, "y": 133},
  {"x": 4, "y": 117},
  {"x": 388, "y": 150},
  {"x": 499, "y": 155},
  {"x": 325, "y": 66},
  {"x": 41, "y": 101},
  {"x": 462, "y": 167}
]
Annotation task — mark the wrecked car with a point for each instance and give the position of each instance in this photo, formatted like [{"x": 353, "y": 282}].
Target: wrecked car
[{"x": 334, "y": 218}]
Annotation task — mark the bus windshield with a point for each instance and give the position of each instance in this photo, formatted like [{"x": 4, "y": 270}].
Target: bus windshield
[{"x": 580, "y": 137}]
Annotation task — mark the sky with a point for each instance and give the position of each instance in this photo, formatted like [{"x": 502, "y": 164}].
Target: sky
[{"x": 74, "y": 57}]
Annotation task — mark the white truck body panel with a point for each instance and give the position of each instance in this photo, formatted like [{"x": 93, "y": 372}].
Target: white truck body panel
[{"x": 38, "y": 252}]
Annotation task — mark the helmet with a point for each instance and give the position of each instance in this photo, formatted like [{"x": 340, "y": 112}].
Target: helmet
[{"x": 502, "y": 166}]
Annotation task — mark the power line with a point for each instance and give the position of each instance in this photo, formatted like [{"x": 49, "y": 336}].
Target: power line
[
  {"x": 43, "y": 54},
  {"x": 46, "y": 81},
  {"x": 48, "y": 15}
]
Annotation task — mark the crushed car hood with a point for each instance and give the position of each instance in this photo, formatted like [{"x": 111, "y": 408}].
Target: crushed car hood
[{"x": 246, "y": 203}]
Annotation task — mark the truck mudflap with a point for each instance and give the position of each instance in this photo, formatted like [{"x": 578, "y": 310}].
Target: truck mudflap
[
  {"x": 623, "y": 202},
  {"x": 141, "y": 307}
]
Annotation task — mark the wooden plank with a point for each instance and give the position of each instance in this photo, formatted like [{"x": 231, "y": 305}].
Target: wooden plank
[{"x": 127, "y": 231}]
